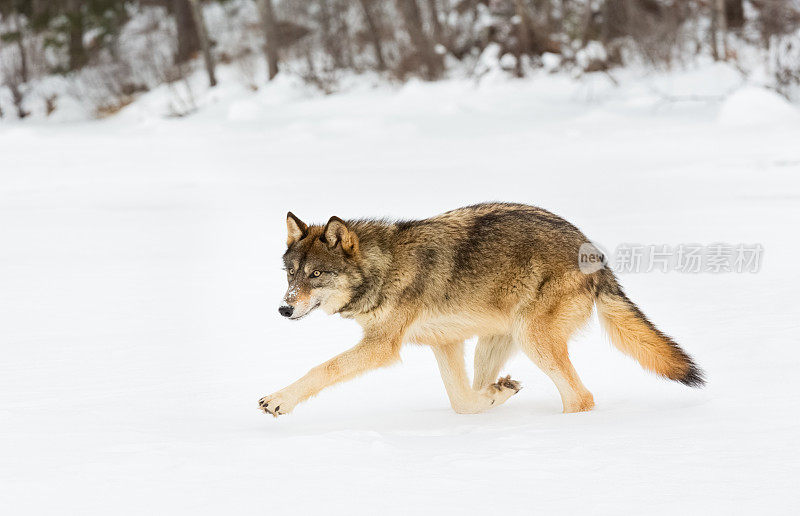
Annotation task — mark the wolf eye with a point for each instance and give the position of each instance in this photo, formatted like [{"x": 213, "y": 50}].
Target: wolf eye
[
  {"x": 315, "y": 274},
  {"x": 291, "y": 271}
]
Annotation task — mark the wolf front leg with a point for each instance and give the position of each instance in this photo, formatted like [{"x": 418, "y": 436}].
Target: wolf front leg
[
  {"x": 463, "y": 399},
  {"x": 372, "y": 352}
]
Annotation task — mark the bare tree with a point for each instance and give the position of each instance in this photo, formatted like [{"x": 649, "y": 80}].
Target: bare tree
[
  {"x": 188, "y": 37},
  {"x": 722, "y": 26},
  {"x": 436, "y": 24},
  {"x": 333, "y": 37},
  {"x": 713, "y": 30},
  {"x": 269, "y": 27},
  {"x": 521, "y": 23},
  {"x": 374, "y": 32},
  {"x": 549, "y": 15},
  {"x": 23, "y": 55},
  {"x": 75, "y": 18},
  {"x": 586, "y": 22},
  {"x": 734, "y": 14},
  {"x": 205, "y": 44},
  {"x": 11, "y": 74},
  {"x": 409, "y": 9}
]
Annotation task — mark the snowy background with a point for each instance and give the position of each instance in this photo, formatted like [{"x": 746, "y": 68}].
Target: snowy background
[{"x": 140, "y": 279}]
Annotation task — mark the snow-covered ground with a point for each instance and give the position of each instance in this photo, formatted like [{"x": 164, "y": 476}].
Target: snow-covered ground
[{"x": 140, "y": 279}]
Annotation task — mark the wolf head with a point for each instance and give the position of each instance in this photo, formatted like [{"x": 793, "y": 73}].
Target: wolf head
[{"x": 321, "y": 265}]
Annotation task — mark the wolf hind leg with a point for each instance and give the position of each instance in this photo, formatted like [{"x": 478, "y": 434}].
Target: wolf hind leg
[
  {"x": 542, "y": 331},
  {"x": 463, "y": 399},
  {"x": 491, "y": 354}
]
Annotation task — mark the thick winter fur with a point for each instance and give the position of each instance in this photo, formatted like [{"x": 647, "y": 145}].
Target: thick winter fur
[{"x": 507, "y": 273}]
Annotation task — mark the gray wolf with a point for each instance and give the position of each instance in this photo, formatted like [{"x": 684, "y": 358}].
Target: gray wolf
[{"x": 506, "y": 273}]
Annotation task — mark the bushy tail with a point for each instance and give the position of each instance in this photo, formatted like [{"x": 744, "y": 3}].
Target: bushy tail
[{"x": 633, "y": 334}]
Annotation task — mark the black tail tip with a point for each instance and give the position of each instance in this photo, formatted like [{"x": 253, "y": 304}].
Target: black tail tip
[{"x": 694, "y": 377}]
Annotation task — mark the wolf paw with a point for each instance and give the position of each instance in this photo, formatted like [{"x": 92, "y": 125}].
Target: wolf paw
[
  {"x": 275, "y": 405},
  {"x": 503, "y": 389},
  {"x": 507, "y": 383}
]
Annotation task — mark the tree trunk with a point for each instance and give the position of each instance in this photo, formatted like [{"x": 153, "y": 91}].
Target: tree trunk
[
  {"x": 734, "y": 13},
  {"x": 713, "y": 30},
  {"x": 17, "y": 97},
  {"x": 332, "y": 41},
  {"x": 374, "y": 33},
  {"x": 38, "y": 7},
  {"x": 523, "y": 36},
  {"x": 546, "y": 6},
  {"x": 270, "y": 36},
  {"x": 23, "y": 54},
  {"x": 586, "y": 22},
  {"x": 77, "y": 52},
  {"x": 188, "y": 37},
  {"x": 723, "y": 27},
  {"x": 432, "y": 62},
  {"x": 615, "y": 19},
  {"x": 205, "y": 44},
  {"x": 438, "y": 35}
]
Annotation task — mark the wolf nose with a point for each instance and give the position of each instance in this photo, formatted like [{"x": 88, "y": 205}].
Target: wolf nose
[{"x": 286, "y": 310}]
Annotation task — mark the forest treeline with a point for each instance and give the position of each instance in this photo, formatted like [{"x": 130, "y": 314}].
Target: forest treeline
[{"x": 115, "y": 49}]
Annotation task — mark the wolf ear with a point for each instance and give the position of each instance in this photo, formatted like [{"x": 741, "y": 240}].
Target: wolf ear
[
  {"x": 337, "y": 233},
  {"x": 296, "y": 229}
]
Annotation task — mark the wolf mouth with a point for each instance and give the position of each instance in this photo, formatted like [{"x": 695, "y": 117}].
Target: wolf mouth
[{"x": 307, "y": 312}]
